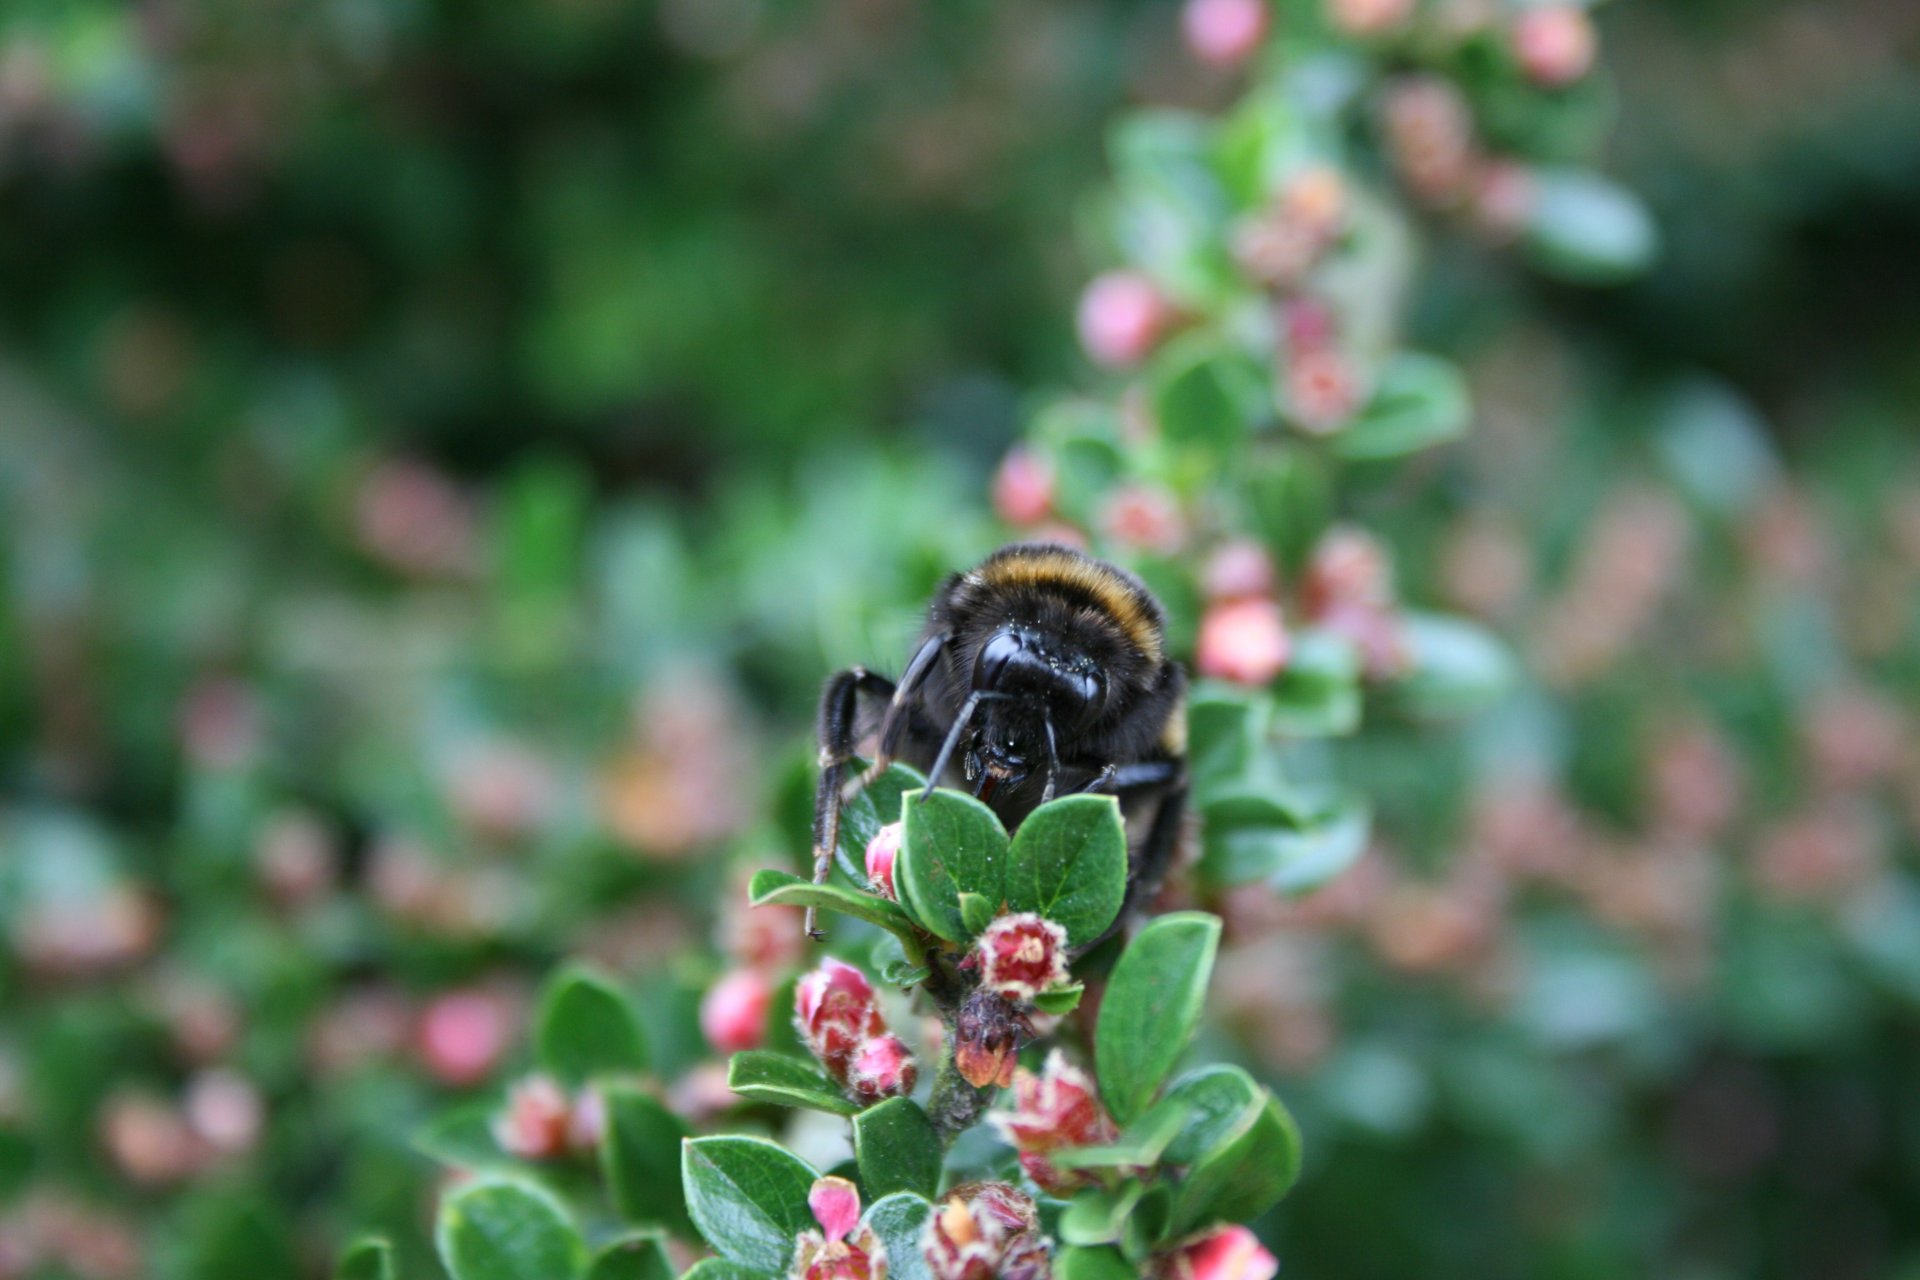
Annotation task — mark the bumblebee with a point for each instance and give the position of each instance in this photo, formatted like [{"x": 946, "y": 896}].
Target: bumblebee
[{"x": 1042, "y": 672}]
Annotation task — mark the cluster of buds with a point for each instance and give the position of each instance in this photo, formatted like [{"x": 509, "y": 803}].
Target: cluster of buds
[
  {"x": 844, "y": 1248},
  {"x": 1278, "y": 246},
  {"x": 1224, "y": 1253},
  {"x": 986, "y": 1231},
  {"x": 541, "y": 1122},
  {"x": 1057, "y": 1110},
  {"x": 1348, "y": 590},
  {"x": 1242, "y": 637},
  {"x": 839, "y": 1019},
  {"x": 1322, "y": 390},
  {"x": 1017, "y": 958}
]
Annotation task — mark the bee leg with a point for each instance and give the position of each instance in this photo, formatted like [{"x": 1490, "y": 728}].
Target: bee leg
[
  {"x": 894, "y": 722},
  {"x": 839, "y": 703},
  {"x": 1157, "y": 851}
]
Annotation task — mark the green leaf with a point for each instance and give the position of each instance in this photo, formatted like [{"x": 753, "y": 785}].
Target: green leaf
[
  {"x": 748, "y": 1197},
  {"x": 1224, "y": 726},
  {"x": 1068, "y": 862},
  {"x": 1250, "y": 1162},
  {"x": 640, "y": 1159},
  {"x": 897, "y": 1149},
  {"x": 370, "y": 1259},
  {"x": 785, "y": 1081},
  {"x": 899, "y": 1220},
  {"x": 1207, "y": 398},
  {"x": 976, "y": 913},
  {"x": 1152, "y": 1004},
  {"x": 780, "y": 888},
  {"x": 500, "y": 1230},
  {"x": 462, "y": 1136},
  {"x": 1103, "y": 1262},
  {"x": 1098, "y": 1215},
  {"x": 1060, "y": 1000},
  {"x": 1457, "y": 668},
  {"x": 1290, "y": 497},
  {"x": 1249, "y": 837},
  {"x": 954, "y": 845},
  {"x": 586, "y": 1027},
  {"x": 721, "y": 1269},
  {"x": 871, "y": 808},
  {"x": 1419, "y": 401},
  {"x": 1317, "y": 695},
  {"x": 1589, "y": 230},
  {"x": 637, "y": 1257}
]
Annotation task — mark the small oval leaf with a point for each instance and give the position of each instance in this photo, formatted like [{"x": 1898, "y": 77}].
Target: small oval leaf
[{"x": 1152, "y": 1004}]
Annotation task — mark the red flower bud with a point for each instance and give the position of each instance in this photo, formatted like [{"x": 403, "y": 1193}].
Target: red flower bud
[
  {"x": 881, "y": 852},
  {"x": 837, "y": 1013},
  {"x": 1244, "y": 641},
  {"x": 537, "y": 1122},
  {"x": 1122, "y": 318},
  {"x": 1019, "y": 956},
  {"x": 883, "y": 1067},
  {"x": 1225, "y": 32},
  {"x": 842, "y": 1249},
  {"x": 986, "y": 1231},
  {"x": 1323, "y": 392},
  {"x": 1144, "y": 517},
  {"x": 1054, "y": 1111},
  {"x": 462, "y": 1036},
  {"x": 733, "y": 1016},
  {"x": 1224, "y": 1253},
  {"x": 1023, "y": 487}
]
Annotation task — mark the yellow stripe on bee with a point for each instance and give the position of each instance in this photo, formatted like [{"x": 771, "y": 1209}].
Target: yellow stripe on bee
[{"x": 1114, "y": 593}]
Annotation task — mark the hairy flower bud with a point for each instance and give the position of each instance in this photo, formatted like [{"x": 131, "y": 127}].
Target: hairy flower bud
[
  {"x": 537, "y": 1122},
  {"x": 986, "y": 1231},
  {"x": 1019, "y": 956},
  {"x": 733, "y": 1015},
  {"x": 842, "y": 1249},
  {"x": 1224, "y": 1253},
  {"x": 882, "y": 850},
  {"x": 836, "y": 1013},
  {"x": 1056, "y": 1110},
  {"x": 883, "y": 1067}
]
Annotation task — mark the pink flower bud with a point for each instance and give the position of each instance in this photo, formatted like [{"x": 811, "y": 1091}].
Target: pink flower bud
[
  {"x": 224, "y": 1108},
  {"x": 1123, "y": 316},
  {"x": 1056, "y": 1110},
  {"x": 1554, "y": 44},
  {"x": 733, "y": 1015},
  {"x": 1322, "y": 392},
  {"x": 842, "y": 1249},
  {"x": 883, "y": 1067},
  {"x": 986, "y": 1231},
  {"x": 881, "y": 851},
  {"x": 1023, "y": 487},
  {"x": 461, "y": 1037},
  {"x": 537, "y": 1121},
  {"x": 1225, "y": 32},
  {"x": 1244, "y": 641},
  {"x": 1019, "y": 956},
  {"x": 1224, "y": 1253},
  {"x": 1238, "y": 569},
  {"x": 1144, "y": 517},
  {"x": 836, "y": 1014}
]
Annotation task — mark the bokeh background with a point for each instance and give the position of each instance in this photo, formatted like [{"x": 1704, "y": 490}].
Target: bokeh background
[{"x": 443, "y": 446}]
